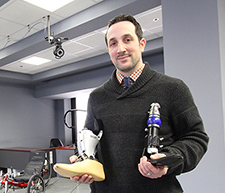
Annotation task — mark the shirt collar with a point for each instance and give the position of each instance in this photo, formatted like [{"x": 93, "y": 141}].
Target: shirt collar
[{"x": 134, "y": 76}]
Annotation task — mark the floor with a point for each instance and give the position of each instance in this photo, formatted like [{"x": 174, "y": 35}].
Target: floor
[{"x": 59, "y": 185}]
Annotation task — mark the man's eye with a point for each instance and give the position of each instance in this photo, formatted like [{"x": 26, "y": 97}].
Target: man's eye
[
  {"x": 113, "y": 44},
  {"x": 128, "y": 39}
]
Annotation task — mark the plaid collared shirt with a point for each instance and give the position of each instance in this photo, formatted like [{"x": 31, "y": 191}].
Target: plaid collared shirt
[{"x": 133, "y": 77}]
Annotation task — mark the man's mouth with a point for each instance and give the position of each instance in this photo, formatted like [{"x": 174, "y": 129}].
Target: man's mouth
[{"x": 122, "y": 57}]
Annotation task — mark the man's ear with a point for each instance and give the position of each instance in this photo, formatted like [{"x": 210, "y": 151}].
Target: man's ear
[{"x": 142, "y": 44}]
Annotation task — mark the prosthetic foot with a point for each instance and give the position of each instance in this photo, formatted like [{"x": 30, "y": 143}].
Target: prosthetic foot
[{"x": 86, "y": 164}]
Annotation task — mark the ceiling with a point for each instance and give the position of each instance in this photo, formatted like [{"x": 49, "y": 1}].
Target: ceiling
[{"x": 23, "y": 28}]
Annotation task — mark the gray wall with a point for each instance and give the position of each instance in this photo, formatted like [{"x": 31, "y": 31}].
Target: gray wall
[
  {"x": 192, "y": 52},
  {"x": 221, "y": 19},
  {"x": 25, "y": 121}
]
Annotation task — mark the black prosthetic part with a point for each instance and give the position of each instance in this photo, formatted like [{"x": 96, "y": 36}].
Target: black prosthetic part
[
  {"x": 169, "y": 161},
  {"x": 153, "y": 141}
]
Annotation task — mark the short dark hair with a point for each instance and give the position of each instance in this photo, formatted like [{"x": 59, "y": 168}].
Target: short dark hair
[{"x": 125, "y": 17}]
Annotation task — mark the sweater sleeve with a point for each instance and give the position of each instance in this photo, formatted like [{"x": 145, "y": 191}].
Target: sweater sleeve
[
  {"x": 91, "y": 122},
  {"x": 190, "y": 138}
]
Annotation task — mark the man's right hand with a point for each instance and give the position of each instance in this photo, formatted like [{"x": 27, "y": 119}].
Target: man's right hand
[{"x": 85, "y": 178}]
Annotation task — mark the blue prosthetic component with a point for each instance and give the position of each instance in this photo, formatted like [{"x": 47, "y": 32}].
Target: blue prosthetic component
[{"x": 154, "y": 121}]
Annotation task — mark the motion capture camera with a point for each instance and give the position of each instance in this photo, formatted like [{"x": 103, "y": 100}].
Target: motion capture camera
[
  {"x": 58, "y": 51},
  {"x": 57, "y": 42}
]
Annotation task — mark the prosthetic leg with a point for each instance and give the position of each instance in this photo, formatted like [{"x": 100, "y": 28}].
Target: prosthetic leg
[
  {"x": 86, "y": 162},
  {"x": 153, "y": 144}
]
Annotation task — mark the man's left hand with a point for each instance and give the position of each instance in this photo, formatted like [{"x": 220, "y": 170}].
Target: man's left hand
[{"x": 150, "y": 171}]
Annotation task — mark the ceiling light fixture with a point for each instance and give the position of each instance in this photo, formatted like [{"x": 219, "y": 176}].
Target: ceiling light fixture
[
  {"x": 35, "y": 60},
  {"x": 50, "y": 5}
]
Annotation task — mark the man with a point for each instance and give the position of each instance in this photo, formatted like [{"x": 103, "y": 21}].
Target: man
[{"x": 121, "y": 111}]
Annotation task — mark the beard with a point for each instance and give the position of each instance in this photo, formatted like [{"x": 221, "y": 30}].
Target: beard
[{"x": 127, "y": 66}]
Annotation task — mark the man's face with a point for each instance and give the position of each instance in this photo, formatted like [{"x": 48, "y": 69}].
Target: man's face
[{"x": 124, "y": 47}]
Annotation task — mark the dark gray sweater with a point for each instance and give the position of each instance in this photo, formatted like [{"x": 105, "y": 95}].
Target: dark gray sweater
[{"x": 122, "y": 115}]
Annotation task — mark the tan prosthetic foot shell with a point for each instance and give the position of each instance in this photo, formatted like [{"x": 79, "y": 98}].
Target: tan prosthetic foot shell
[{"x": 90, "y": 167}]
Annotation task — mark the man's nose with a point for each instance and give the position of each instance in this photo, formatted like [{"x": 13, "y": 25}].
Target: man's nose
[{"x": 121, "y": 48}]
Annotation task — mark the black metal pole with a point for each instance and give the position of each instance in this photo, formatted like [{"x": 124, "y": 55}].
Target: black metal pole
[{"x": 74, "y": 121}]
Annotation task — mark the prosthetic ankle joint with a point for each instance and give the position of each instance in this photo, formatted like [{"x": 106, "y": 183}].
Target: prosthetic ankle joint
[{"x": 87, "y": 143}]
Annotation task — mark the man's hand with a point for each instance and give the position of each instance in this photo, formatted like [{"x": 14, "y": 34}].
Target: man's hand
[
  {"x": 73, "y": 158},
  {"x": 85, "y": 178},
  {"x": 150, "y": 171}
]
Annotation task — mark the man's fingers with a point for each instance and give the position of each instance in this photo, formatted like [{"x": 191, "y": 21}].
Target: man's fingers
[{"x": 73, "y": 158}]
